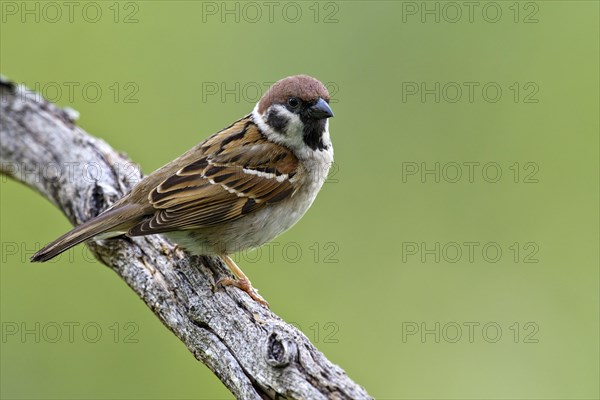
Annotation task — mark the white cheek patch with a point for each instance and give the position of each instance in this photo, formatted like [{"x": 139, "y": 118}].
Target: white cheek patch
[
  {"x": 294, "y": 124},
  {"x": 258, "y": 120},
  {"x": 292, "y": 138},
  {"x": 295, "y": 128}
]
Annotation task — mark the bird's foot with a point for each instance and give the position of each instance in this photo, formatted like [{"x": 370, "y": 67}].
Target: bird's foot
[{"x": 245, "y": 285}]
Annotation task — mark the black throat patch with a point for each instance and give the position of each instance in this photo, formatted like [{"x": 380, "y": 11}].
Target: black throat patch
[{"x": 313, "y": 133}]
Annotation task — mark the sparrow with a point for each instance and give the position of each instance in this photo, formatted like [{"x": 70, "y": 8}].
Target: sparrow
[{"x": 238, "y": 189}]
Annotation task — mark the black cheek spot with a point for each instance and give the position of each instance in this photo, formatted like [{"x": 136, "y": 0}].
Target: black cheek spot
[{"x": 276, "y": 121}]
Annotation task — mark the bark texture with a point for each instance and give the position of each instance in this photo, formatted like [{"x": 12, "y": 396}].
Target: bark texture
[{"x": 252, "y": 351}]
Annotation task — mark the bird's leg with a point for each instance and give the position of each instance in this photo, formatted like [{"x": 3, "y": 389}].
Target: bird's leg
[{"x": 242, "y": 282}]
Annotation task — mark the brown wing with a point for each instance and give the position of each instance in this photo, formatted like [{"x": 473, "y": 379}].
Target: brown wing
[{"x": 236, "y": 172}]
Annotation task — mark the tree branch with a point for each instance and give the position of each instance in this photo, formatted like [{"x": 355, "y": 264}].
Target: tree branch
[{"x": 254, "y": 353}]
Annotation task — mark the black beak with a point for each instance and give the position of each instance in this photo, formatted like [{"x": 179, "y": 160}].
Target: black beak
[{"x": 320, "y": 110}]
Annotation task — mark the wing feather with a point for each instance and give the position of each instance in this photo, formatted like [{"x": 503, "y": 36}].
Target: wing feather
[{"x": 235, "y": 172}]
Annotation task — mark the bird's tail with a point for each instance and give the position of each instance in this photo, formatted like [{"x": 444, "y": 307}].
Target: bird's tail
[{"x": 106, "y": 223}]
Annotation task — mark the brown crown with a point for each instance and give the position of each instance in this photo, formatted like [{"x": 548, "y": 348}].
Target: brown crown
[{"x": 304, "y": 87}]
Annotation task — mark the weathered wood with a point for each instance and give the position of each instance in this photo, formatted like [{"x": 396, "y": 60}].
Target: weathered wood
[{"x": 253, "y": 352}]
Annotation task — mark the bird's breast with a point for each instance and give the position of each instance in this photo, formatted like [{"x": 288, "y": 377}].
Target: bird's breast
[{"x": 264, "y": 225}]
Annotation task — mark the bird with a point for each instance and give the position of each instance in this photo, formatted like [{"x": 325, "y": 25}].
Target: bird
[{"x": 235, "y": 190}]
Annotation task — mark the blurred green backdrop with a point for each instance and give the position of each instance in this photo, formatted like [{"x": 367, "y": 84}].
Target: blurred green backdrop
[{"x": 419, "y": 269}]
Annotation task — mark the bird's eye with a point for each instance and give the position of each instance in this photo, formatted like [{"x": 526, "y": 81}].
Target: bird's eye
[{"x": 293, "y": 102}]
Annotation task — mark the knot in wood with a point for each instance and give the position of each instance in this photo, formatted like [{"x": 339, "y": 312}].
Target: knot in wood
[{"x": 280, "y": 350}]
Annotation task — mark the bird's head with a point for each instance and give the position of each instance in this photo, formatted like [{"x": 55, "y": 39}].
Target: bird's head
[{"x": 294, "y": 112}]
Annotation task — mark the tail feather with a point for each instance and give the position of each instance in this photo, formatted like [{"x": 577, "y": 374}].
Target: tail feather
[{"x": 107, "y": 222}]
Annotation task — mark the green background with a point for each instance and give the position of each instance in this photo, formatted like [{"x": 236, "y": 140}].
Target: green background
[{"x": 360, "y": 295}]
